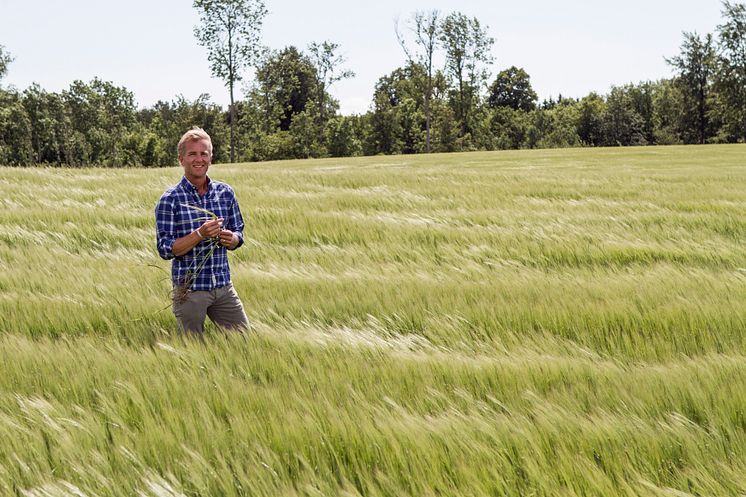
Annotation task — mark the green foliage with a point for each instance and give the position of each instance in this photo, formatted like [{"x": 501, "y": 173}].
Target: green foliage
[
  {"x": 467, "y": 49},
  {"x": 425, "y": 27},
  {"x": 326, "y": 62},
  {"x": 558, "y": 128},
  {"x": 512, "y": 88},
  {"x": 16, "y": 147},
  {"x": 444, "y": 126},
  {"x": 229, "y": 30},
  {"x": 731, "y": 77},
  {"x": 343, "y": 136},
  {"x": 286, "y": 84},
  {"x": 508, "y": 128},
  {"x": 5, "y": 60},
  {"x": 49, "y": 117},
  {"x": 396, "y": 118},
  {"x": 591, "y": 112},
  {"x": 166, "y": 122},
  {"x": 305, "y": 130},
  {"x": 276, "y": 146},
  {"x": 97, "y": 123},
  {"x": 667, "y": 105},
  {"x": 696, "y": 67},
  {"x": 101, "y": 113},
  {"x": 288, "y": 112},
  {"x": 288, "y": 109},
  {"x": 623, "y": 123}
]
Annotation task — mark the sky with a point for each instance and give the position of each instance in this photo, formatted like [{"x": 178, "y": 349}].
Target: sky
[{"x": 569, "y": 47}]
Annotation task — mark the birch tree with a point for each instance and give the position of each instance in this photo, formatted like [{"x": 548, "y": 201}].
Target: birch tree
[
  {"x": 425, "y": 26},
  {"x": 230, "y": 30}
]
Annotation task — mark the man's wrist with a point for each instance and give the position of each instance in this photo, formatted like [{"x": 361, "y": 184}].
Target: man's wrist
[{"x": 199, "y": 234}]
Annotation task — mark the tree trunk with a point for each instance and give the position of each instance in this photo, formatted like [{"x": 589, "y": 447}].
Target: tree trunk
[
  {"x": 701, "y": 118},
  {"x": 231, "y": 81},
  {"x": 461, "y": 107},
  {"x": 233, "y": 118},
  {"x": 427, "y": 124},
  {"x": 427, "y": 103},
  {"x": 742, "y": 104},
  {"x": 321, "y": 113}
]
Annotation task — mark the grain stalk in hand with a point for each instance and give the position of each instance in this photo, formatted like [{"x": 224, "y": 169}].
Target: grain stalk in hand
[{"x": 182, "y": 288}]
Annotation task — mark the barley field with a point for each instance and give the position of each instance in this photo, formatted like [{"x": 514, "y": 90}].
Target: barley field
[{"x": 529, "y": 323}]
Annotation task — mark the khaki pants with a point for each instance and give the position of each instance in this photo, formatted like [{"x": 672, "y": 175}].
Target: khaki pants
[{"x": 222, "y": 305}]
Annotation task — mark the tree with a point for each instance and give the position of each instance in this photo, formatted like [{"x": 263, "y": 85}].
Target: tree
[
  {"x": 50, "y": 125},
  {"x": 559, "y": 125},
  {"x": 101, "y": 114},
  {"x": 385, "y": 129},
  {"x": 230, "y": 31},
  {"x": 732, "y": 74},
  {"x": 343, "y": 136},
  {"x": 512, "y": 88},
  {"x": 5, "y": 60},
  {"x": 305, "y": 133},
  {"x": 508, "y": 128},
  {"x": 166, "y": 122},
  {"x": 426, "y": 29},
  {"x": 397, "y": 120},
  {"x": 667, "y": 112},
  {"x": 696, "y": 66},
  {"x": 15, "y": 131},
  {"x": 590, "y": 124},
  {"x": 444, "y": 126},
  {"x": 288, "y": 89},
  {"x": 623, "y": 124},
  {"x": 467, "y": 48},
  {"x": 286, "y": 84},
  {"x": 641, "y": 98},
  {"x": 327, "y": 64}
]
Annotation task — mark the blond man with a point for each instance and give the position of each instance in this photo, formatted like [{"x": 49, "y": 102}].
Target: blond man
[{"x": 198, "y": 244}]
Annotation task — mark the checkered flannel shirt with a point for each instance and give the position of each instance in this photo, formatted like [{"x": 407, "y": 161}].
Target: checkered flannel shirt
[{"x": 173, "y": 219}]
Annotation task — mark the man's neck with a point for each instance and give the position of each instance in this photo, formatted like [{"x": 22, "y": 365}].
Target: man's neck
[{"x": 200, "y": 184}]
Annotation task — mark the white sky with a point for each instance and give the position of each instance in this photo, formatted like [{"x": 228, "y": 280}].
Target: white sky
[{"x": 570, "y": 47}]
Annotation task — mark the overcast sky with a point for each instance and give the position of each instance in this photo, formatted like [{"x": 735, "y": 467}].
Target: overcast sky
[{"x": 568, "y": 47}]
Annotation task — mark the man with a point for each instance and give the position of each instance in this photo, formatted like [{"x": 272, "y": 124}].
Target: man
[{"x": 197, "y": 242}]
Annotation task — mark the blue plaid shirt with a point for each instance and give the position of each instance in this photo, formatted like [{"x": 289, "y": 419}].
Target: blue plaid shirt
[{"x": 173, "y": 219}]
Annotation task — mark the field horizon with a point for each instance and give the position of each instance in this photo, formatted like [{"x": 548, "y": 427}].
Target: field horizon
[{"x": 532, "y": 322}]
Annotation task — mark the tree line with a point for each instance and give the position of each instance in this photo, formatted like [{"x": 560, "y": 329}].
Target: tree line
[{"x": 288, "y": 112}]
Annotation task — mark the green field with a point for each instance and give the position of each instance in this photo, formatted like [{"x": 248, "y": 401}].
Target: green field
[{"x": 564, "y": 322}]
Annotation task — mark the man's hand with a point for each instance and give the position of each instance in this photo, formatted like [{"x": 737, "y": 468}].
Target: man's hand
[
  {"x": 211, "y": 228},
  {"x": 228, "y": 239}
]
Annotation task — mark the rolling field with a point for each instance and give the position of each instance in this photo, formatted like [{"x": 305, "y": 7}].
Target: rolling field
[{"x": 555, "y": 322}]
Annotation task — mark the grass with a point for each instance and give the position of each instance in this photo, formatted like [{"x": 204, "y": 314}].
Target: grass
[{"x": 564, "y": 322}]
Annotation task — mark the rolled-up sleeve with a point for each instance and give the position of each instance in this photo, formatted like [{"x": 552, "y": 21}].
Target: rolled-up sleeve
[
  {"x": 235, "y": 220},
  {"x": 165, "y": 227}
]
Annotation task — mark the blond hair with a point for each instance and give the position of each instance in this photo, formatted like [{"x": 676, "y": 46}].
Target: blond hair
[{"x": 194, "y": 134}]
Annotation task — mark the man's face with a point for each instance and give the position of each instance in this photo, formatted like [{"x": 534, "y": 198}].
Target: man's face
[{"x": 196, "y": 159}]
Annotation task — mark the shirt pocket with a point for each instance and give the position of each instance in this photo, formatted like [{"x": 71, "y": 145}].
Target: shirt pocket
[
  {"x": 187, "y": 220},
  {"x": 221, "y": 210}
]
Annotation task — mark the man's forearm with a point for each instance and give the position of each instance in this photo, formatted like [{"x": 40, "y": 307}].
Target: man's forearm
[{"x": 186, "y": 243}]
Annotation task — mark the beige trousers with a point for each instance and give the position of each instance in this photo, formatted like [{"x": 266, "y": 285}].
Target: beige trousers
[{"x": 222, "y": 305}]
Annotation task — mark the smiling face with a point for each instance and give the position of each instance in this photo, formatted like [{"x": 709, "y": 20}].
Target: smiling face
[{"x": 196, "y": 159}]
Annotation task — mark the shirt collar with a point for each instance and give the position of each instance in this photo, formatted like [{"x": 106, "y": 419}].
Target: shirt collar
[{"x": 190, "y": 188}]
